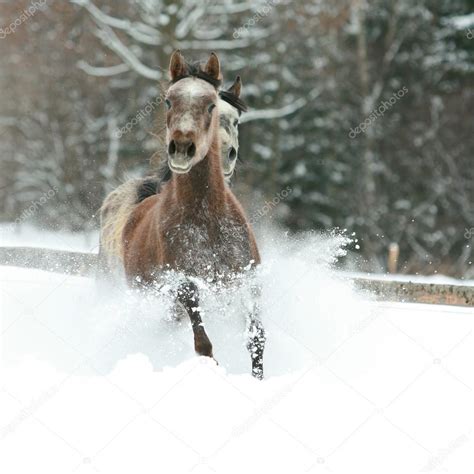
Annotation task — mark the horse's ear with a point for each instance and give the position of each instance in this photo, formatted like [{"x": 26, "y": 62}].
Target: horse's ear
[
  {"x": 177, "y": 65},
  {"x": 236, "y": 87},
  {"x": 213, "y": 67}
]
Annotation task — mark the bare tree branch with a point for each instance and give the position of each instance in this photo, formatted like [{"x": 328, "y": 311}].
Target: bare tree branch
[
  {"x": 103, "y": 71},
  {"x": 268, "y": 114},
  {"x": 137, "y": 30}
]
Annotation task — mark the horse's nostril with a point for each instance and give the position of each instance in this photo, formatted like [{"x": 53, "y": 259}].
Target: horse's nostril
[
  {"x": 232, "y": 153},
  {"x": 172, "y": 148},
  {"x": 191, "y": 151}
]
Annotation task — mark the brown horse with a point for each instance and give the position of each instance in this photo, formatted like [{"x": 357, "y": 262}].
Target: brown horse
[
  {"x": 119, "y": 204},
  {"x": 195, "y": 226}
]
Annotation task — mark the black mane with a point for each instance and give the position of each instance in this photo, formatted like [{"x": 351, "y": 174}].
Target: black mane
[
  {"x": 233, "y": 100},
  {"x": 195, "y": 70},
  {"x": 148, "y": 187}
]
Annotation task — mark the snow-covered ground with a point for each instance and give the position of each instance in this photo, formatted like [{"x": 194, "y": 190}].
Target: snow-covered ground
[{"x": 97, "y": 380}]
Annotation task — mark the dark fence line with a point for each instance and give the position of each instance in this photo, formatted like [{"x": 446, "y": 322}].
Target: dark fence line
[
  {"x": 84, "y": 264},
  {"x": 51, "y": 260},
  {"x": 414, "y": 292}
]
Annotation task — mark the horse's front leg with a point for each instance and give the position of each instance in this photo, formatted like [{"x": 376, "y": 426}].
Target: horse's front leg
[
  {"x": 188, "y": 296},
  {"x": 255, "y": 333}
]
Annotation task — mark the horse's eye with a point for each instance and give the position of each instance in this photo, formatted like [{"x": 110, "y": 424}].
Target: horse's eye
[
  {"x": 168, "y": 104},
  {"x": 236, "y": 122},
  {"x": 211, "y": 108}
]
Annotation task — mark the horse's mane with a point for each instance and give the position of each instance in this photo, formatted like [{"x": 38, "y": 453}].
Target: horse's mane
[
  {"x": 233, "y": 100},
  {"x": 194, "y": 69},
  {"x": 148, "y": 187}
]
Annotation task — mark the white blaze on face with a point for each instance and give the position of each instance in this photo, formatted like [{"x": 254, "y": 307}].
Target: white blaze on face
[
  {"x": 190, "y": 98},
  {"x": 186, "y": 122},
  {"x": 189, "y": 91},
  {"x": 194, "y": 87}
]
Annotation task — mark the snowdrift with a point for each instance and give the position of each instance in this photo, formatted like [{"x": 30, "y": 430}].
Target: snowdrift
[{"x": 105, "y": 381}]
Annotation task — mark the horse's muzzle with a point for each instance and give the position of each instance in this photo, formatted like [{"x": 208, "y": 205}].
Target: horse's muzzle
[{"x": 180, "y": 155}]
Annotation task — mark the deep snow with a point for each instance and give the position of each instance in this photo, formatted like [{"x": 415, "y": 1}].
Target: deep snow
[{"x": 96, "y": 381}]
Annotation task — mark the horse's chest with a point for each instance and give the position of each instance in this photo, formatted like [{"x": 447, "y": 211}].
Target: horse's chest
[{"x": 208, "y": 250}]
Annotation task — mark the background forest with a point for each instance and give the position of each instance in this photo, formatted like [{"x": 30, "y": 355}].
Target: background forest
[{"x": 360, "y": 109}]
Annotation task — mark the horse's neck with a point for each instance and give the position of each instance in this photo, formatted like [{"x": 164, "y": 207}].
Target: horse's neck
[{"x": 203, "y": 186}]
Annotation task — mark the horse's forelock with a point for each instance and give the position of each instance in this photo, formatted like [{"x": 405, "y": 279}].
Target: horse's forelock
[{"x": 195, "y": 69}]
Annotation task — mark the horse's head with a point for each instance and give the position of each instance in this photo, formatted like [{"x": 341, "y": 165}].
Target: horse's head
[
  {"x": 230, "y": 107},
  {"x": 192, "y": 116}
]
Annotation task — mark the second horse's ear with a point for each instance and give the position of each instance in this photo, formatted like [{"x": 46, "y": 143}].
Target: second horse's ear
[
  {"x": 236, "y": 87},
  {"x": 177, "y": 65},
  {"x": 213, "y": 67}
]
